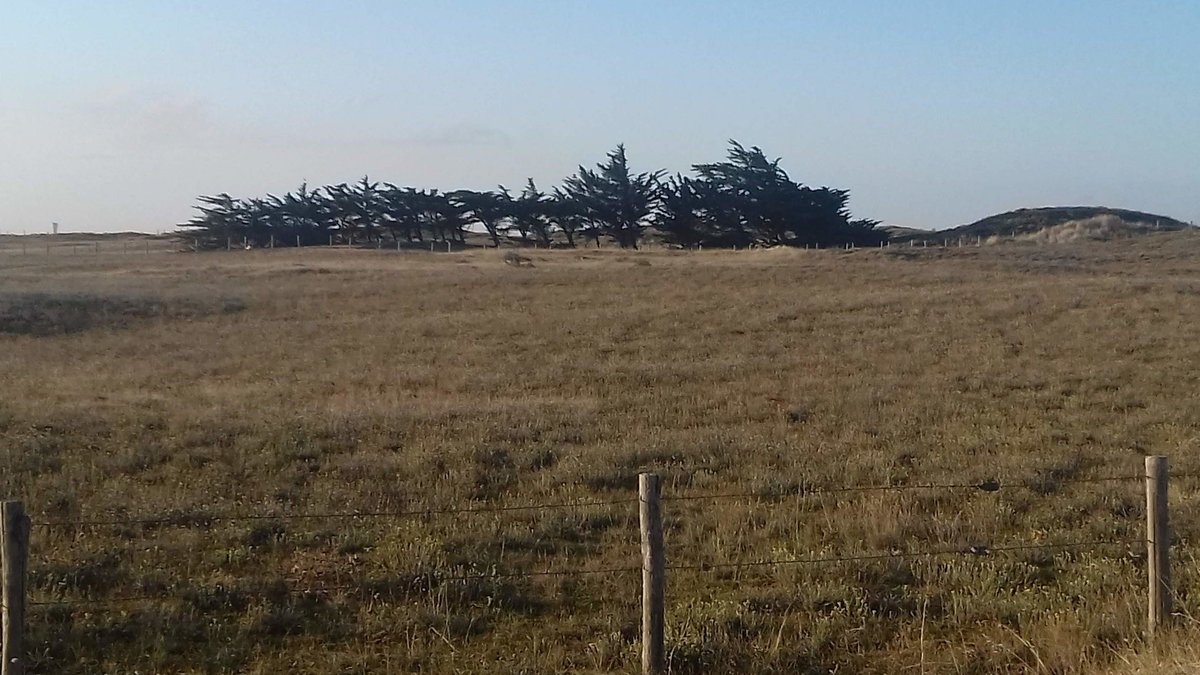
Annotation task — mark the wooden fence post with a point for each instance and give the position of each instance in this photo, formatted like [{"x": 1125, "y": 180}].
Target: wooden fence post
[
  {"x": 1158, "y": 544},
  {"x": 653, "y": 574},
  {"x": 14, "y": 551}
]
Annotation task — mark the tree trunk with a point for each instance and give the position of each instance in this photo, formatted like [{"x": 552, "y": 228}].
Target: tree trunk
[{"x": 626, "y": 238}]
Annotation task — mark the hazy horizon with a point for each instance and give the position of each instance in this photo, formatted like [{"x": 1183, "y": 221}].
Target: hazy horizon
[{"x": 933, "y": 114}]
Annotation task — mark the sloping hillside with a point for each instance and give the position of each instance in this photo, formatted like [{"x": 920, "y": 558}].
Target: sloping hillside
[
  {"x": 901, "y": 233},
  {"x": 1058, "y": 223}
]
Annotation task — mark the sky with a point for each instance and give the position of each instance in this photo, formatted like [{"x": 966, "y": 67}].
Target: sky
[{"x": 116, "y": 115}]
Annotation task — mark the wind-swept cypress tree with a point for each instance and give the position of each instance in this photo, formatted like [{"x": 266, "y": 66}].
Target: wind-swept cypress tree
[
  {"x": 222, "y": 219},
  {"x": 490, "y": 209},
  {"x": 530, "y": 211},
  {"x": 619, "y": 202},
  {"x": 746, "y": 199},
  {"x": 749, "y": 199}
]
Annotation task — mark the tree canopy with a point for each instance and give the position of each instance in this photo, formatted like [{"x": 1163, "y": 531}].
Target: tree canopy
[
  {"x": 747, "y": 199},
  {"x": 619, "y": 202}
]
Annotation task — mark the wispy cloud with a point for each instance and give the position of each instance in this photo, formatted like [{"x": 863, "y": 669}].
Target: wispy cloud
[
  {"x": 149, "y": 115},
  {"x": 462, "y": 134}
]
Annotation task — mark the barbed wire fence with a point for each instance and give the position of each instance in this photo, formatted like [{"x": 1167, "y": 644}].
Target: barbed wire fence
[
  {"x": 61, "y": 246},
  {"x": 15, "y": 548}
]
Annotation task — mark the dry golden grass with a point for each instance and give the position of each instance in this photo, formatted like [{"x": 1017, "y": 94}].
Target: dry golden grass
[
  {"x": 380, "y": 381},
  {"x": 1097, "y": 228}
]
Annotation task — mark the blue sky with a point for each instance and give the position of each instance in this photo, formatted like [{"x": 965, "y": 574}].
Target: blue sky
[{"x": 116, "y": 115}]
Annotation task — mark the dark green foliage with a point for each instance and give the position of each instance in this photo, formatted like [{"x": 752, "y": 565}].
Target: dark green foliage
[
  {"x": 401, "y": 214},
  {"x": 439, "y": 216},
  {"x": 618, "y": 202},
  {"x": 571, "y": 217},
  {"x": 690, "y": 213},
  {"x": 356, "y": 209},
  {"x": 742, "y": 201},
  {"x": 492, "y": 210},
  {"x": 531, "y": 213},
  {"x": 302, "y": 217},
  {"x": 221, "y": 218},
  {"x": 749, "y": 199}
]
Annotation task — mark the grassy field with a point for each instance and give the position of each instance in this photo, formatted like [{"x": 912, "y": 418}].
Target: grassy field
[{"x": 319, "y": 381}]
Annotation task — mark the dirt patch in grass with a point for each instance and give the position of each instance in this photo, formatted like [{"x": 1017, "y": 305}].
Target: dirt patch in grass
[{"x": 65, "y": 313}]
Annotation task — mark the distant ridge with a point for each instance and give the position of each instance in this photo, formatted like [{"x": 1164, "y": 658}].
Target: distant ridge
[
  {"x": 1044, "y": 220},
  {"x": 902, "y": 233}
]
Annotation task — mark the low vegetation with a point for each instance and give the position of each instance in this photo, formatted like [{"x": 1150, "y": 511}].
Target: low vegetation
[
  {"x": 41, "y": 313},
  {"x": 377, "y": 381},
  {"x": 1095, "y": 228},
  {"x": 1043, "y": 222}
]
